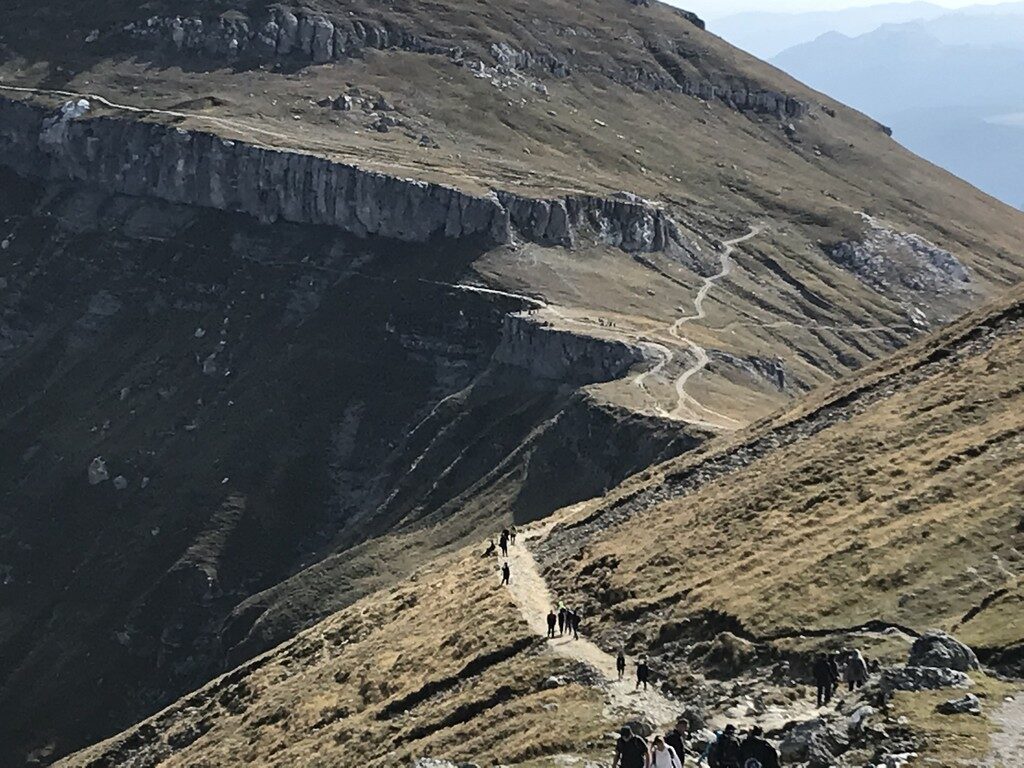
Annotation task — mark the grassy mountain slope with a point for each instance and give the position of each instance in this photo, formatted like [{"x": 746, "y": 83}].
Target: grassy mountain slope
[
  {"x": 914, "y": 526},
  {"x": 355, "y": 421}
]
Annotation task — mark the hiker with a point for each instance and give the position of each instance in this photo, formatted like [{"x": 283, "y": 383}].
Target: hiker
[
  {"x": 726, "y": 751},
  {"x": 503, "y": 542},
  {"x": 755, "y": 749},
  {"x": 572, "y": 619},
  {"x": 552, "y": 618},
  {"x": 664, "y": 756},
  {"x": 561, "y": 619},
  {"x": 506, "y": 573},
  {"x": 856, "y": 670},
  {"x": 676, "y": 738},
  {"x": 490, "y": 549},
  {"x": 620, "y": 664},
  {"x": 705, "y": 756},
  {"x": 630, "y": 750},
  {"x": 833, "y": 665},
  {"x": 823, "y": 679},
  {"x": 512, "y": 535},
  {"x": 643, "y": 673}
]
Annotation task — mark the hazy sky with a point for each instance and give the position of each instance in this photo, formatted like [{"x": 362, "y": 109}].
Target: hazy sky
[{"x": 711, "y": 9}]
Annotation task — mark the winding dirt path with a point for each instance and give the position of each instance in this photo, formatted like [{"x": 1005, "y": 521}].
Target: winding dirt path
[
  {"x": 534, "y": 600},
  {"x": 1007, "y": 746}
]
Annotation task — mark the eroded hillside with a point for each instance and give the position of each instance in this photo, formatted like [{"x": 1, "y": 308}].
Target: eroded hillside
[
  {"x": 296, "y": 298},
  {"x": 727, "y": 577}
]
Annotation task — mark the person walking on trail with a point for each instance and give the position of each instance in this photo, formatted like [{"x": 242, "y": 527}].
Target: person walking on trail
[
  {"x": 506, "y": 574},
  {"x": 552, "y": 618},
  {"x": 572, "y": 619},
  {"x": 620, "y": 664},
  {"x": 643, "y": 674},
  {"x": 856, "y": 670},
  {"x": 512, "y": 535},
  {"x": 726, "y": 751},
  {"x": 755, "y": 749},
  {"x": 664, "y": 756},
  {"x": 833, "y": 665},
  {"x": 503, "y": 542},
  {"x": 823, "y": 681},
  {"x": 705, "y": 756},
  {"x": 561, "y": 619},
  {"x": 676, "y": 738},
  {"x": 630, "y": 750}
]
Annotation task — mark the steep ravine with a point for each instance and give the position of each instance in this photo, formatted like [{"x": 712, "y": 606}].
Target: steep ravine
[{"x": 199, "y": 408}]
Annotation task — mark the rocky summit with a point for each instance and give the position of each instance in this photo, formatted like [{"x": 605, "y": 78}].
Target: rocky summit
[{"x": 301, "y": 306}]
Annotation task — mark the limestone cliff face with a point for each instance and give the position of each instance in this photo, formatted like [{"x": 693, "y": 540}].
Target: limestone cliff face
[
  {"x": 294, "y": 33},
  {"x": 196, "y": 168},
  {"x": 559, "y": 355}
]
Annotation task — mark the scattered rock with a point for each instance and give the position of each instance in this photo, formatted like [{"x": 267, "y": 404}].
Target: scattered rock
[
  {"x": 120, "y": 482},
  {"x": 550, "y": 683},
  {"x": 98, "y": 471},
  {"x": 921, "y": 679},
  {"x": 815, "y": 742},
  {"x": 966, "y": 705},
  {"x": 938, "y": 649}
]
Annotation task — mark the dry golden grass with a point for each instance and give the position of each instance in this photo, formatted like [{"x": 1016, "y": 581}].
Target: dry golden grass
[
  {"x": 356, "y": 689},
  {"x": 905, "y": 513}
]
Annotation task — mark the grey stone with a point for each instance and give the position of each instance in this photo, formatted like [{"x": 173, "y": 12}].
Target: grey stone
[
  {"x": 98, "y": 471},
  {"x": 921, "y": 679},
  {"x": 815, "y": 742},
  {"x": 938, "y": 649},
  {"x": 323, "y": 40},
  {"x": 966, "y": 705}
]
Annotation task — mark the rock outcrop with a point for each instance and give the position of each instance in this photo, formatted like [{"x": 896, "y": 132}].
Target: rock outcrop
[
  {"x": 902, "y": 264},
  {"x": 293, "y": 33},
  {"x": 562, "y": 356},
  {"x": 938, "y": 649},
  {"x": 198, "y": 168},
  {"x": 921, "y": 679}
]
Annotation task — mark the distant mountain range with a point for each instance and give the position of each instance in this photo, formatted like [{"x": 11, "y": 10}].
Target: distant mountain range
[{"x": 947, "y": 82}]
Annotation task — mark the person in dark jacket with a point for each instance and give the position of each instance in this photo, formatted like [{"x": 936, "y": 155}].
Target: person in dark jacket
[
  {"x": 561, "y": 620},
  {"x": 552, "y": 618},
  {"x": 630, "y": 750},
  {"x": 833, "y": 665},
  {"x": 676, "y": 738},
  {"x": 754, "y": 747},
  {"x": 726, "y": 751},
  {"x": 503, "y": 542},
  {"x": 506, "y": 574},
  {"x": 573, "y": 619},
  {"x": 823, "y": 679},
  {"x": 643, "y": 674},
  {"x": 620, "y": 664}
]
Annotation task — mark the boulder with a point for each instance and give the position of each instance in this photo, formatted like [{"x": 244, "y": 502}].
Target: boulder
[
  {"x": 98, "y": 471},
  {"x": 921, "y": 679},
  {"x": 966, "y": 705},
  {"x": 938, "y": 649},
  {"x": 730, "y": 655},
  {"x": 815, "y": 742}
]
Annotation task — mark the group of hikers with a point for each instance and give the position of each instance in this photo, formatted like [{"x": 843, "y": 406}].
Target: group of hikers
[
  {"x": 829, "y": 669},
  {"x": 566, "y": 619},
  {"x": 508, "y": 537},
  {"x": 725, "y": 750}
]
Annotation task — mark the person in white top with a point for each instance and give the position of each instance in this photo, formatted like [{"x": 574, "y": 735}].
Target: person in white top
[{"x": 662, "y": 755}]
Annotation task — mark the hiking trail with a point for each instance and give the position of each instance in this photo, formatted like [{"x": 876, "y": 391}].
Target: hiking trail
[
  {"x": 1007, "y": 745},
  {"x": 687, "y": 407},
  {"x": 531, "y": 595}
]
